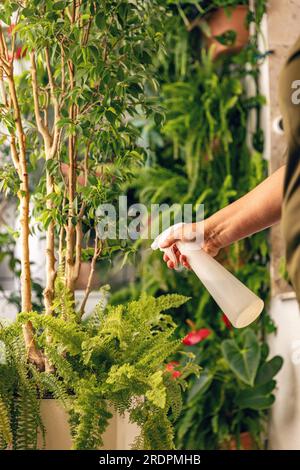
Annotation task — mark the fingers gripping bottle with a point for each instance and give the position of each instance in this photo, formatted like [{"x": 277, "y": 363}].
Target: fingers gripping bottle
[{"x": 240, "y": 304}]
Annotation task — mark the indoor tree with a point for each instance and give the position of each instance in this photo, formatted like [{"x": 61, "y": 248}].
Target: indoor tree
[{"x": 67, "y": 118}]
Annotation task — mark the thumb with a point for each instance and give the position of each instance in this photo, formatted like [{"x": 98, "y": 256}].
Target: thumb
[
  {"x": 184, "y": 233},
  {"x": 170, "y": 240}
]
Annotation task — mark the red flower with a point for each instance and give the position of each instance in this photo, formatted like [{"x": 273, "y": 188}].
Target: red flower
[
  {"x": 195, "y": 337},
  {"x": 170, "y": 367},
  {"x": 226, "y": 321},
  {"x": 176, "y": 374}
]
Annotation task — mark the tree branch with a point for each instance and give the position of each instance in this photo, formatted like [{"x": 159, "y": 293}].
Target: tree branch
[
  {"x": 55, "y": 102},
  {"x": 97, "y": 252},
  {"x": 78, "y": 250},
  {"x": 70, "y": 229},
  {"x": 42, "y": 128}
]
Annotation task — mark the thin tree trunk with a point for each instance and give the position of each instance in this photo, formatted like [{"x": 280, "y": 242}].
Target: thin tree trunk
[
  {"x": 34, "y": 354},
  {"x": 49, "y": 290},
  {"x": 97, "y": 251},
  {"x": 70, "y": 229},
  {"x": 51, "y": 144},
  {"x": 71, "y": 232}
]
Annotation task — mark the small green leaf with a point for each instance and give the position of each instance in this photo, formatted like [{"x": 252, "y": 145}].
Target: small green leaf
[
  {"x": 100, "y": 21},
  {"x": 227, "y": 39},
  {"x": 59, "y": 5},
  {"x": 257, "y": 402},
  {"x": 158, "y": 119}
]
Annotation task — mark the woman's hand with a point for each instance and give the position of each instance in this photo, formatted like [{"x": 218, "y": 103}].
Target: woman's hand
[
  {"x": 197, "y": 232},
  {"x": 257, "y": 210}
]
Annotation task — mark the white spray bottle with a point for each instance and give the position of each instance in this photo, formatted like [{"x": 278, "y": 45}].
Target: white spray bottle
[{"x": 240, "y": 304}]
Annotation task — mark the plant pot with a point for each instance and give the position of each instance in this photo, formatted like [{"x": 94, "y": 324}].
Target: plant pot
[
  {"x": 83, "y": 277},
  {"x": 119, "y": 435},
  {"x": 246, "y": 443},
  {"x": 228, "y": 19}
]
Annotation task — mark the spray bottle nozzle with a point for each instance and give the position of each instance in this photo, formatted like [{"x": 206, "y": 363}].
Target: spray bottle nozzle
[{"x": 170, "y": 250}]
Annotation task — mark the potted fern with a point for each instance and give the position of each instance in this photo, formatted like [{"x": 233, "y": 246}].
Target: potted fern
[
  {"x": 86, "y": 67},
  {"x": 113, "y": 361}
]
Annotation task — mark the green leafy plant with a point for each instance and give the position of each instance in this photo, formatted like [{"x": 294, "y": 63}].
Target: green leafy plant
[
  {"x": 114, "y": 361},
  {"x": 232, "y": 395},
  {"x": 66, "y": 121},
  {"x": 198, "y": 119},
  {"x": 200, "y": 156},
  {"x": 20, "y": 420}
]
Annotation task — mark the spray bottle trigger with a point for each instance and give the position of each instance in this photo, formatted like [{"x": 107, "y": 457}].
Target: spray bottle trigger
[{"x": 171, "y": 255}]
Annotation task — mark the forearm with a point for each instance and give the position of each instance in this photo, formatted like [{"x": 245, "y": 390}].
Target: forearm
[{"x": 257, "y": 210}]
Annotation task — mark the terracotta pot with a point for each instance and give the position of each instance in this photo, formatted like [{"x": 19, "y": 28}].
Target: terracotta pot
[
  {"x": 228, "y": 19},
  {"x": 119, "y": 435},
  {"x": 246, "y": 443}
]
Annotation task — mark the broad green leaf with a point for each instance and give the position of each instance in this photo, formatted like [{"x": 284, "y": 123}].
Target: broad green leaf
[
  {"x": 268, "y": 370},
  {"x": 258, "y": 402},
  {"x": 200, "y": 386},
  {"x": 258, "y": 397},
  {"x": 243, "y": 362}
]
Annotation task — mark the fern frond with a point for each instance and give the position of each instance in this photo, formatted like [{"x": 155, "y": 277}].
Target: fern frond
[
  {"x": 93, "y": 418},
  {"x": 174, "y": 397},
  {"x": 162, "y": 348},
  {"x": 64, "y": 369},
  {"x": 96, "y": 317},
  {"x": 67, "y": 333},
  {"x": 63, "y": 304},
  {"x": 165, "y": 302},
  {"x": 28, "y": 419},
  {"x": 157, "y": 394},
  {"x": 5, "y": 427},
  {"x": 19, "y": 391},
  {"x": 157, "y": 433}
]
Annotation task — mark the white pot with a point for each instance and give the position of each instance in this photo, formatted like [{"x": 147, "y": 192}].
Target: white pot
[{"x": 119, "y": 435}]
